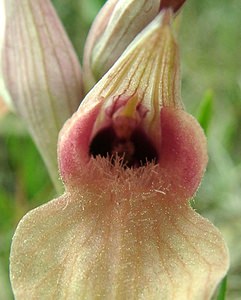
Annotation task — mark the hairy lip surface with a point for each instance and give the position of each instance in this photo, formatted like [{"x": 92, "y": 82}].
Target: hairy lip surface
[
  {"x": 119, "y": 234},
  {"x": 104, "y": 172}
]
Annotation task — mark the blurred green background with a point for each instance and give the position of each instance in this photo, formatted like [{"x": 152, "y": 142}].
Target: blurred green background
[{"x": 210, "y": 42}]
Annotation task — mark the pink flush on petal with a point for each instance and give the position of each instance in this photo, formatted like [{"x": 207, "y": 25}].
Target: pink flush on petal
[
  {"x": 139, "y": 117},
  {"x": 174, "y": 4}
]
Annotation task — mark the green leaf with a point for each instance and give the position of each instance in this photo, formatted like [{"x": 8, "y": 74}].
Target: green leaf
[
  {"x": 205, "y": 111},
  {"x": 222, "y": 289}
]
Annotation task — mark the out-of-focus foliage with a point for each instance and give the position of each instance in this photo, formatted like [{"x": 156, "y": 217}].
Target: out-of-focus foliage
[
  {"x": 205, "y": 111},
  {"x": 210, "y": 39},
  {"x": 222, "y": 289}
]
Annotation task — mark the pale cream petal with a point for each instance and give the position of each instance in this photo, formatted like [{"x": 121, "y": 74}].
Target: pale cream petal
[
  {"x": 116, "y": 237},
  {"x": 41, "y": 72},
  {"x": 3, "y": 107},
  {"x": 114, "y": 28},
  {"x": 3, "y": 91}
]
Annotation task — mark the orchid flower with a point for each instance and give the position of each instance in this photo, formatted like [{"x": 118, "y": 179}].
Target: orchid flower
[{"x": 130, "y": 159}]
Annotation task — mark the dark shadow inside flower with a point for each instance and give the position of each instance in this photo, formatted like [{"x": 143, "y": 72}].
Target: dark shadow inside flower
[{"x": 136, "y": 149}]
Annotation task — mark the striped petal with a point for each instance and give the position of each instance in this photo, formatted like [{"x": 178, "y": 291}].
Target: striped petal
[
  {"x": 41, "y": 72},
  {"x": 3, "y": 108},
  {"x": 3, "y": 92},
  {"x": 114, "y": 28}
]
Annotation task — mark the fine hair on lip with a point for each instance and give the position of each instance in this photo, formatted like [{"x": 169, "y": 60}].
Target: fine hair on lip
[{"x": 110, "y": 174}]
